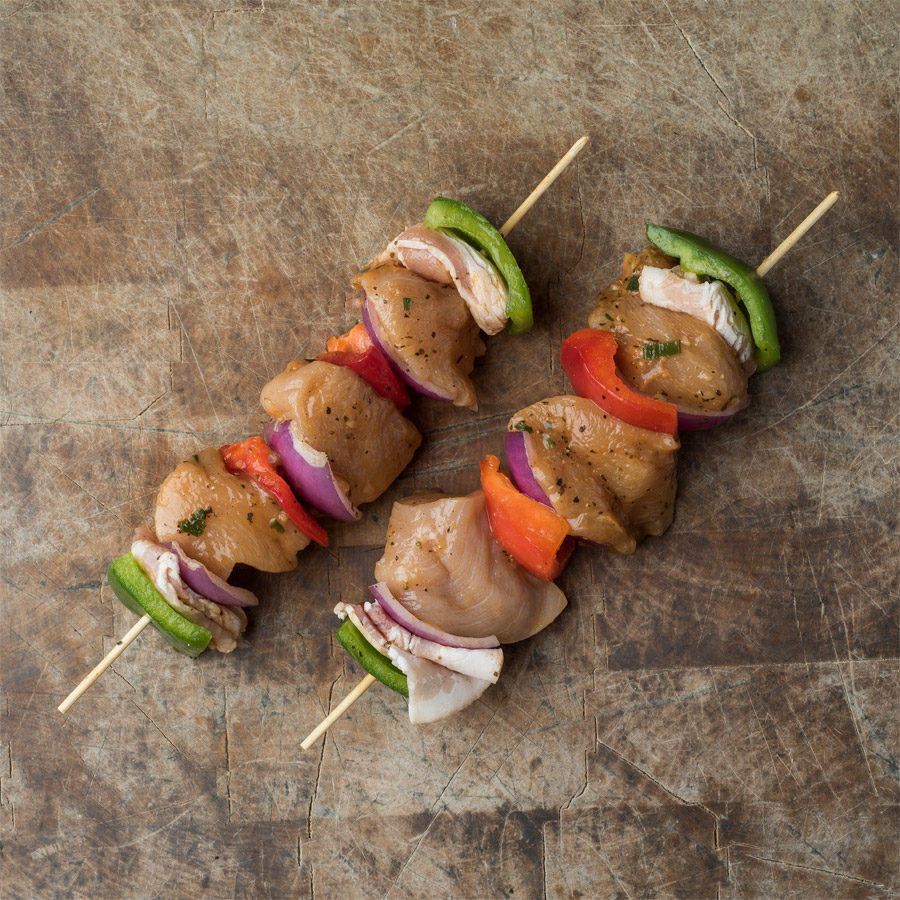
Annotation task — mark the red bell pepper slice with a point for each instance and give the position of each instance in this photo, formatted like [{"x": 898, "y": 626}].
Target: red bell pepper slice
[
  {"x": 534, "y": 535},
  {"x": 356, "y": 340},
  {"x": 255, "y": 458},
  {"x": 589, "y": 359},
  {"x": 357, "y": 351}
]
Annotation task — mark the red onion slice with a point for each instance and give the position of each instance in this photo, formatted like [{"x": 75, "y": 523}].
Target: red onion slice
[
  {"x": 403, "y": 617},
  {"x": 373, "y": 326},
  {"x": 481, "y": 662},
  {"x": 309, "y": 472},
  {"x": 197, "y": 577},
  {"x": 691, "y": 420},
  {"x": 520, "y": 467}
]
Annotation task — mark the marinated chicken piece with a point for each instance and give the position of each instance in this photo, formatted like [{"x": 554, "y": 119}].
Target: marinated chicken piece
[
  {"x": 706, "y": 376},
  {"x": 426, "y": 328},
  {"x": 440, "y": 256},
  {"x": 443, "y": 565},
  {"x": 709, "y": 301},
  {"x": 613, "y": 482},
  {"x": 221, "y": 519},
  {"x": 336, "y": 412},
  {"x": 224, "y": 623}
]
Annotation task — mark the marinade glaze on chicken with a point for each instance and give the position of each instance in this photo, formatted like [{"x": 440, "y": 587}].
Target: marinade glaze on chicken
[
  {"x": 706, "y": 376},
  {"x": 613, "y": 482},
  {"x": 427, "y": 328},
  {"x": 442, "y": 563},
  {"x": 366, "y": 438},
  {"x": 242, "y": 524}
]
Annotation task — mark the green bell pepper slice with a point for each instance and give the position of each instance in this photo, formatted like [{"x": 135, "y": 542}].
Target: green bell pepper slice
[
  {"x": 135, "y": 590},
  {"x": 701, "y": 257},
  {"x": 475, "y": 229},
  {"x": 375, "y": 663}
]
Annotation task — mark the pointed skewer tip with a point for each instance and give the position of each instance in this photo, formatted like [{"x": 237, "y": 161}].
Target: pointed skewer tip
[
  {"x": 775, "y": 256},
  {"x": 118, "y": 649},
  {"x": 337, "y": 712},
  {"x": 544, "y": 183}
]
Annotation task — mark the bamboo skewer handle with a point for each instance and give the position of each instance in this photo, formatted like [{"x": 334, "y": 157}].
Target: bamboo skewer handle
[
  {"x": 544, "y": 183},
  {"x": 337, "y": 712},
  {"x": 105, "y": 663},
  {"x": 766, "y": 265}
]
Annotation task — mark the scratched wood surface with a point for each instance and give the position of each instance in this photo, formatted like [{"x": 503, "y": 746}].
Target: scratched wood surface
[{"x": 186, "y": 193}]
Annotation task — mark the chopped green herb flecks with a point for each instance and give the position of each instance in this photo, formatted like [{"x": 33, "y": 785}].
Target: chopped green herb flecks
[
  {"x": 523, "y": 426},
  {"x": 549, "y": 443},
  {"x": 634, "y": 283},
  {"x": 195, "y": 523},
  {"x": 698, "y": 255},
  {"x": 658, "y": 350},
  {"x": 407, "y": 303},
  {"x": 275, "y": 525}
]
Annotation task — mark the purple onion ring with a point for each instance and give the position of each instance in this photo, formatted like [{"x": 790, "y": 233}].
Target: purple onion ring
[
  {"x": 316, "y": 484},
  {"x": 198, "y": 578},
  {"x": 691, "y": 420},
  {"x": 403, "y": 617},
  {"x": 520, "y": 467}
]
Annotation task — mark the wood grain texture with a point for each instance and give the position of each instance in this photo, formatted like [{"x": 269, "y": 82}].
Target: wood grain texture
[{"x": 187, "y": 189}]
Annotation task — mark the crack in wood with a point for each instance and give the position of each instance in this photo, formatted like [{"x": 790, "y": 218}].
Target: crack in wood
[
  {"x": 227, "y": 753},
  {"x": 149, "y": 718},
  {"x": 315, "y": 791},
  {"x": 28, "y": 235},
  {"x": 655, "y": 781},
  {"x": 821, "y": 869},
  {"x": 732, "y": 118},
  {"x": 116, "y": 672}
]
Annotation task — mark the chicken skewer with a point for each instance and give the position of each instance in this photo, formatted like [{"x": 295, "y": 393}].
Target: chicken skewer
[
  {"x": 146, "y": 619},
  {"x": 764, "y": 267}
]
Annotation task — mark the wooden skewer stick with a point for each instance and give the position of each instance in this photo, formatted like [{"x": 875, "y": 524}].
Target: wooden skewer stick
[
  {"x": 337, "y": 712},
  {"x": 797, "y": 233},
  {"x": 104, "y": 663},
  {"x": 545, "y": 182},
  {"x": 504, "y": 229}
]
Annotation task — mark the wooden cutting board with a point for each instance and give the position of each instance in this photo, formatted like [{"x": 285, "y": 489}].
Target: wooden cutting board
[{"x": 186, "y": 194}]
